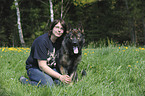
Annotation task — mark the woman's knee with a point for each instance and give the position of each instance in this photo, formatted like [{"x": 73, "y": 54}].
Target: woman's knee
[
  {"x": 47, "y": 81},
  {"x": 40, "y": 77}
]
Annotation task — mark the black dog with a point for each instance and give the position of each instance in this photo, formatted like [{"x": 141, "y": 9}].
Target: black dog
[{"x": 70, "y": 52}]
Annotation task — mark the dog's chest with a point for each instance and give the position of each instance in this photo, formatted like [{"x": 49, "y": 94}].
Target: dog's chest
[{"x": 67, "y": 60}]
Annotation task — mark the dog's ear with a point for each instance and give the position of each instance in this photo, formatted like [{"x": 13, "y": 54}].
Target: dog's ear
[
  {"x": 82, "y": 31},
  {"x": 80, "y": 28}
]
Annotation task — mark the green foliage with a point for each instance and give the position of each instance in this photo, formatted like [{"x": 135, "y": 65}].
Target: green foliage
[
  {"x": 114, "y": 19},
  {"x": 83, "y": 2},
  {"x": 117, "y": 71}
]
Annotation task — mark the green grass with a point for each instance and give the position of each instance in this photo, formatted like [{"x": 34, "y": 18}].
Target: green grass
[{"x": 111, "y": 71}]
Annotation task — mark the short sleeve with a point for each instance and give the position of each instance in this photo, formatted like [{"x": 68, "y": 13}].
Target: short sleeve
[{"x": 40, "y": 50}]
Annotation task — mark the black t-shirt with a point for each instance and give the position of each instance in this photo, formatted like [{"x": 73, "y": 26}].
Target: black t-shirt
[{"x": 42, "y": 49}]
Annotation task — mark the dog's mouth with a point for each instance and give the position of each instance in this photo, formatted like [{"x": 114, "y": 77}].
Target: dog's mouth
[{"x": 75, "y": 50}]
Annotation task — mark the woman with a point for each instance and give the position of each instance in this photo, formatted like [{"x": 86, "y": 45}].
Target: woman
[{"x": 40, "y": 65}]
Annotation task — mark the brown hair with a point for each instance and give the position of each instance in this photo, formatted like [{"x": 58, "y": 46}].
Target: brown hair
[
  {"x": 59, "y": 40},
  {"x": 62, "y": 22}
]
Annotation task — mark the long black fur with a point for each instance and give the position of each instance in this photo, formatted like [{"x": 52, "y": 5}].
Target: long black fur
[{"x": 70, "y": 53}]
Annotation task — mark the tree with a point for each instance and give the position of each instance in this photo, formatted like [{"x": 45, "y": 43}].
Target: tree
[
  {"x": 51, "y": 11},
  {"x": 19, "y": 24},
  {"x": 130, "y": 22},
  {"x": 61, "y": 8}
]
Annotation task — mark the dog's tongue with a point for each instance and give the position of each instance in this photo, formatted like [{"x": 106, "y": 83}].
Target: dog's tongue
[{"x": 75, "y": 50}]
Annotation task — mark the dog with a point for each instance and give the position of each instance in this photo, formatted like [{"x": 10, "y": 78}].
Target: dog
[{"x": 70, "y": 53}]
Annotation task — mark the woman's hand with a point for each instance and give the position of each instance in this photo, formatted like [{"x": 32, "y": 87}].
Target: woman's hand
[
  {"x": 44, "y": 67},
  {"x": 65, "y": 79}
]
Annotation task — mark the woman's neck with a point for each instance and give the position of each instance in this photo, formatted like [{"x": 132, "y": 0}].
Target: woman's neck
[{"x": 53, "y": 38}]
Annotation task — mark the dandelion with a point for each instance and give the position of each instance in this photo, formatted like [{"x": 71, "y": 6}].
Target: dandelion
[
  {"x": 1, "y": 56},
  {"x": 136, "y": 61},
  {"x": 119, "y": 47},
  {"x": 142, "y": 48},
  {"x": 137, "y": 50},
  {"x": 123, "y": 50},
  {"x": 129, "y": 65},
  {"x": 85, "y": 54},
  {"x": 135, "y": 67},
  {"x": 92, "y": 52},
  {"x": 27, "y": 51},
  {"x": 12, "y": 49},
  {"x": 126, "y": 47},
  {"x": 3, "y": 49}
]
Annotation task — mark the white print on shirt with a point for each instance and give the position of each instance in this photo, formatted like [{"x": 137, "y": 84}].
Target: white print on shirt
[{"x": 51, "y": 58}]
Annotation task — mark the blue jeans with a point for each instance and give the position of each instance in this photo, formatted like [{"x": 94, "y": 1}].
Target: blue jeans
[{"x": 39, "y": 78}]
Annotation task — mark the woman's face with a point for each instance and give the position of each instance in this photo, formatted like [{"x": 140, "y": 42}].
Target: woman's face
[{"x": 57, "y": 30}]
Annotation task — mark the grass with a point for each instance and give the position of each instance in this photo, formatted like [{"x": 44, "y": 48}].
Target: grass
[{"x": 111, "y": 71}]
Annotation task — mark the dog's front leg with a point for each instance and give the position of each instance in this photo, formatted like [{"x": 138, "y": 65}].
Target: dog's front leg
[
  {"x": 74, "y": 76},
  {"x": 62, "y": 70}
]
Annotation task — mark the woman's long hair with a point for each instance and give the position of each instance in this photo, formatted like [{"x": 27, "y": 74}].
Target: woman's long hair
[{"x": 60, "y": 39}]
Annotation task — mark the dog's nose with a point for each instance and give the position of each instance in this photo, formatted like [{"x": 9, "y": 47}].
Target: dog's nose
[{"x": 75, "y": 43}]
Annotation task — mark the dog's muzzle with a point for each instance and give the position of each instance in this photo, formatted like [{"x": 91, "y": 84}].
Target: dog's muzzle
[{"x": 75, "y": 50}]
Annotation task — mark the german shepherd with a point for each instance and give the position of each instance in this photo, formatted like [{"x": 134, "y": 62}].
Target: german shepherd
[{"x": 69, "y": 55}]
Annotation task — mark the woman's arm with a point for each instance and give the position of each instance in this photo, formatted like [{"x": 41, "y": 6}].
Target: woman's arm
[{"x": 44, "y": 67}]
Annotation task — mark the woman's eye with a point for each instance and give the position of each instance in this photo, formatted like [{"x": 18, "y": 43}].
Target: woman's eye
[{"x": 57, "y": 27}]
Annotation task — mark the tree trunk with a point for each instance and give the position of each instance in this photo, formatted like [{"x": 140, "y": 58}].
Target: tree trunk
[
  {"x": 65, "y": 8},
  {"x": 131, "y": 24},
  {"x": 19, "y": 24},
  {"x": 61, "y": 8},
  {"x": 133, "y": 32},
  {"x": 51, "y": 11},
  {"x": 144, "y": 29}
]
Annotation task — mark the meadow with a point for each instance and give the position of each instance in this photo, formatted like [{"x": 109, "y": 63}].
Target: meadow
[{"x": 111, "y": 71}]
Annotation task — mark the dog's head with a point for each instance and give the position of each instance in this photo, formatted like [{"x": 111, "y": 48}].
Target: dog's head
[{"x": 75, "y": 40}]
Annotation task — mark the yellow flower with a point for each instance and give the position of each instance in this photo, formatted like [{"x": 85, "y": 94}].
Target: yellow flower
[
  {"x": 90, "y": 66},
  {"x": 3, "y": 49},
  {"x": 136, "y": 61},
  {"x": 129, "y": 65},
  {"x": 142, "y": 48},
  {"x": 137, "y": 50},
  {"x": 85, "y": 53},
  {"x": 92, "y": 52},
  {"x": 126, "y": 47},
  {"x": 119, "y": 47}
]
